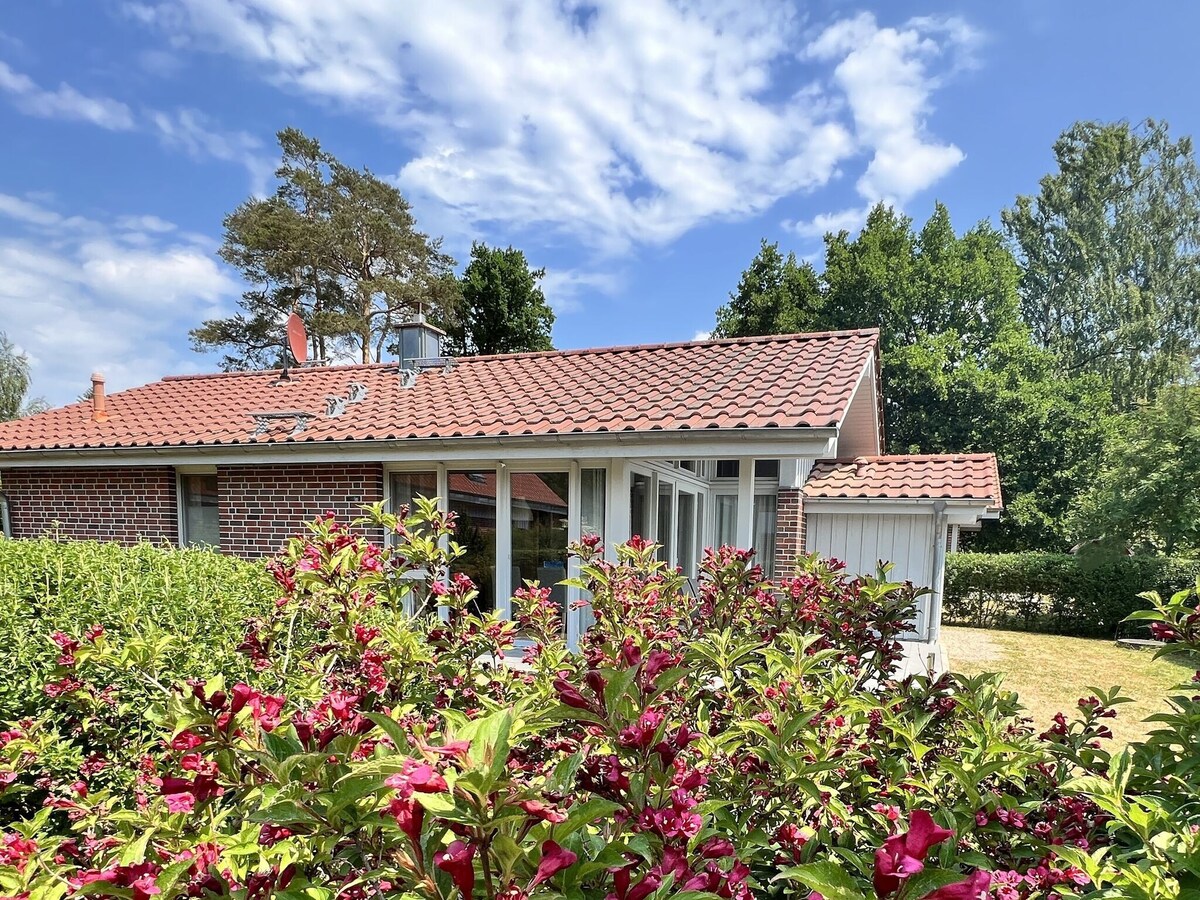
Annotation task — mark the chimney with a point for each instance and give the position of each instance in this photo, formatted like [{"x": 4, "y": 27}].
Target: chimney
[
  {"x": 420, "y": 345},
  {"x": 99, "y": 408}
]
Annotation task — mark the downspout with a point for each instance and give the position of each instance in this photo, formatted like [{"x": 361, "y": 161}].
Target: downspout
[{"x": 933, "y": 628}]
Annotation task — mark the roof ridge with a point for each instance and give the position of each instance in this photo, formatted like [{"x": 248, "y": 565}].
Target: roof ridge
[
  {"x": 671, "y": 345},
  {"x": 542, "y": 354},
  {"x": 914, "y": 457}
]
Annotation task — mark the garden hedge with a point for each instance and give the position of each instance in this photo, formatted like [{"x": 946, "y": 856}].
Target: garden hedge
[
  {"x": 1057, "y": 593},
  {"x": 189, "y": 605}
]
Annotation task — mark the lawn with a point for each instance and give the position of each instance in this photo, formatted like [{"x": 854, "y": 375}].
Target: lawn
[{"x": 1051, "y": 672}]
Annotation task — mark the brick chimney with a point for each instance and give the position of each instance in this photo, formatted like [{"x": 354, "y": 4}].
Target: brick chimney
[{"x": 99, "y": 408}]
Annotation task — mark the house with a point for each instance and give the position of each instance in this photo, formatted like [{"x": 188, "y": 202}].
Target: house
[{"x": 770, "y": 442}]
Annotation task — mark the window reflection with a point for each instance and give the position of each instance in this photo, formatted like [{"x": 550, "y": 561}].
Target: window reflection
[
  {"x": 201, "y": 511},
  {"x": 539, "y": 532},
  {"x": 473, "y": 499}
]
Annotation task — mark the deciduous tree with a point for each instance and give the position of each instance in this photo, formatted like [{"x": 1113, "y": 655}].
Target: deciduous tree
[
  {"x": 502, "y": 309},
  {"x": 776, "y": 295},
  {"x": 14, "y": 383},
  {"x": 1147, "y": 494},
  {"x": 1110, "y": 249}
]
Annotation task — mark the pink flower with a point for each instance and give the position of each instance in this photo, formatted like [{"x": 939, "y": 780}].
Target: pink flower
[
  {"x": 459, "y": 861},
  {"x": 409, "y": 816},
  {"x": 543, "y": 811},
  {"x": 416, "y": 777},
  {"x": 903, "y": 855},
  {"x": 569, "y": 695},
  {"x": 554, "y": 860},
  {"x": 973, "y": 888}
]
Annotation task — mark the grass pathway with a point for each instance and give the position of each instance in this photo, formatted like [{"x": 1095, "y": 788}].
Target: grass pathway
[{"x": 1051, "y": 672}]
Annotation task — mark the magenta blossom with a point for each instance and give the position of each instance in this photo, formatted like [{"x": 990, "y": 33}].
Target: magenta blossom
[
  {"x": 459, "y": 861},
  {"x": 903, "y": 855},
  {"x": 554, "y": 860},
  {"x": 973, "y": 888}
]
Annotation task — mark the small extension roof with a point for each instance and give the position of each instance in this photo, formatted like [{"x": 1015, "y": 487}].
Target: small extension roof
[
  {"x": 791, "y": 381},
  {"x": 968, "y": 476}
]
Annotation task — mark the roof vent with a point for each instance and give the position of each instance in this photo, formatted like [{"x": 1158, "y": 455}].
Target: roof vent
[
  {"x": 99, "y": 403},
  {"x": 860, "y": 463}
]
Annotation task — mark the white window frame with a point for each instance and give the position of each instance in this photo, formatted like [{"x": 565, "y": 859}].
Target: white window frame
[
  {"x": 180, "y": 516},
  {"x": 503, "y": 549}
]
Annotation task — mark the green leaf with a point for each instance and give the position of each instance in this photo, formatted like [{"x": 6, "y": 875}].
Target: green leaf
[{"x": 827, "y": 878}]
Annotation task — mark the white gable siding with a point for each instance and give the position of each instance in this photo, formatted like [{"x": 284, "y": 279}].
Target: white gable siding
[
  {"x": 859, "y": 434},
  {"x": 861, "y": 540}
]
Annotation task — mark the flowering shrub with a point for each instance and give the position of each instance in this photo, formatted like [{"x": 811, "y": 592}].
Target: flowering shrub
[{"x": 749, "y": 740}]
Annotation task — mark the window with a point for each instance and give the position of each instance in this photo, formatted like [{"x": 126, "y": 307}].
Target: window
[
  {"x": 726, "y": 506},
  {"x": 766, "y": 468},
  {"x": 639, "y": 505},
  {"x": 663, "y": 535},
  {"x": 408, "y": 486},
  {"x": 728, "y": 468},
  {"x": 592, "y": 483},
  {"x": 686, "y": 533},
  {"x": 539, "y": 532},
  {"x": 763, "y": 468},
  {"x": 473, "y": 500},
  {"x": 764, "y": 532},
  {"x": 201, "y": 516}
]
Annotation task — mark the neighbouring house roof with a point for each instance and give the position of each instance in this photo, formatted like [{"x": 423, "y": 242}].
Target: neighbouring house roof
[
  {"x": 967, "y": 476},
  {"x": 792, "y": 381},
  {"x": 524, "y": 485}
]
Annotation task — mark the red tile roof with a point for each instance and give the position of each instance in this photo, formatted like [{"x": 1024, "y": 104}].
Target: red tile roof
[
  {"x": 791, "y": 381},
  {"x": 968, "y": 476}
]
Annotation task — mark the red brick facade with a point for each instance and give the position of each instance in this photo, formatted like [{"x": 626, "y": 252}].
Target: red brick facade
[
  {"x": 94, "y": 503},
  {"x": 789, "y": 530},
  {"x": 261, "y": 506}
]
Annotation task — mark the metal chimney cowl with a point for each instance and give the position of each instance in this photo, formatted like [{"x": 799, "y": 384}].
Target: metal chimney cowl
[{"x": 420, "y": 344}]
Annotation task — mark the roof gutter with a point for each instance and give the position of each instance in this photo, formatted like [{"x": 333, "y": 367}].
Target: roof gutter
[{"x": 801, "y": 441}]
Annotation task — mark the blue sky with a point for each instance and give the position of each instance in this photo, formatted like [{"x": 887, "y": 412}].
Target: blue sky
[{"x": 637, "y": 149}]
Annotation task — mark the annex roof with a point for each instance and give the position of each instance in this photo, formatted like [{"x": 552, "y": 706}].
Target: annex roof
[
  {"x": 969, "y": 476},
  {"x": 791, "y": 381}
]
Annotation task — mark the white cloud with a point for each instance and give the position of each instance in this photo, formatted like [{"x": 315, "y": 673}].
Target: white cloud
[
  {"x": 198, "y": 136},
  {"x": 563, "y": 287},
  {"x": 81, "y": 294},
  {"x": 888, "y": 76},
  {"x": 188, "y": 130},
  {"x": 64, "y": 102},
  {"x": 702, "y": 336},
  {"x": 618, "y": 122}
]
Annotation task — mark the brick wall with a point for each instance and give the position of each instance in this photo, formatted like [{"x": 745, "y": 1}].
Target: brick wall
[
  {"x": 261, "y": 506},
  {"x": 789, "y": 530},
  {"x": 93, "y": 503}
]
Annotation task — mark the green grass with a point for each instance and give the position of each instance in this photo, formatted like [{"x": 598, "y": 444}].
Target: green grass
[{"x": 1050, "y": 672}]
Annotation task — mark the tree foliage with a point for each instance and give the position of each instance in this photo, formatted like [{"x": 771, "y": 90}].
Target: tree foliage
[
  {"x": 502, "y": 309},
  {"x": 776, "y": 295},
  {"x": 1110, "y": 248},
  {"x": 959, "y": 371},
  {"x": 14, "y": 383},
  {"x": 337, "y": 245},
  {"x": 1148, "y": 492}
]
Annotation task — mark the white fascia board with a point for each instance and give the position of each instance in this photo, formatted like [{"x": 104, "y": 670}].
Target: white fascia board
[
  {"x": 701, "y": 443},
  {"x": 958, "y": 512}
]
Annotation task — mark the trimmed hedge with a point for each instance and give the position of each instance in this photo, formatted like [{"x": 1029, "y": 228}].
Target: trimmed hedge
[
  {"x": 194, "y": 603},
  {"x": 1057, "y": 593}
]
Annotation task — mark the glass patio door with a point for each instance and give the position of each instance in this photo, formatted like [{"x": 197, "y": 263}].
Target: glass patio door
[{"x": 668, "y": 509}]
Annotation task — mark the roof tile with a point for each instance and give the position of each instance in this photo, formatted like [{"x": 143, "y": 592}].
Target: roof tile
[
  {"x": 785, "y": 381},
  {"x": 972, "y": 476}
]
